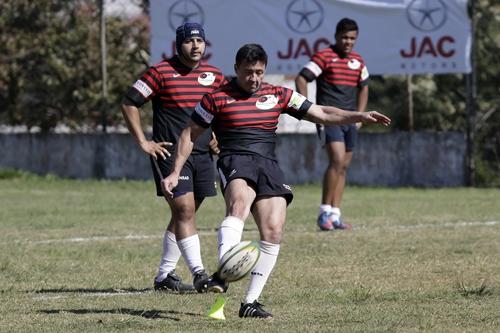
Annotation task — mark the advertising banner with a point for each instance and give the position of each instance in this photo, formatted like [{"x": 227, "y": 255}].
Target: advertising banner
[{"x": 395, "y": 36}]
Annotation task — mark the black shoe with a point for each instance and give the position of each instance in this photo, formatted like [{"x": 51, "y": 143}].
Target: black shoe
[
  {"x": 203, "y": 283},
  {"x": 253, "y": 310},
  {"x": 172, "y": 283},
  {"x": 200, "y": 281},
  {"x": 216, "y": 284}
]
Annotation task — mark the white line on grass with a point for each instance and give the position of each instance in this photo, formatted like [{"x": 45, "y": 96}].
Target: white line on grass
[
  {"x": 139, "y": 237},
  {"x": 446, "y": 225},
  {"x": 212, "y": 232},
  {"x": 95, "y": 239}
]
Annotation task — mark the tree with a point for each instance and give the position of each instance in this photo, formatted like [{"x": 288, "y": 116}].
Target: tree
[
  {"x": 439, "y": 100},
  {"x": 50, "y": 74},
  {"x": 49, "y": 70}
]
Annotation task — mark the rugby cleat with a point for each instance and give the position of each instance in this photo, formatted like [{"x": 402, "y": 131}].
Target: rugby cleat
[
  {"x": 200, "y": 281},
  {"x": 172, "y": 283},
  {"x": 338, "y": 224},
  {"x": 325, "y": 221},
  {"x": 216, "y": 284},
  {"x": 203, "y": 283},
  {"x": 253, "y": 310}
]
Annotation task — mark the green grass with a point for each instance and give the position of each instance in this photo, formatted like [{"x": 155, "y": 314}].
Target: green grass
[{"x": 419, "y": 260}]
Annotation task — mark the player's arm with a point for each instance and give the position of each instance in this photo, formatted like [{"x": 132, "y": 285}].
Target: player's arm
[
  {"x": 362, "y": 101},
  {"x": 330, "y": 115},
  {"x": 184, "y": 148},
  {"x": 301, "y": 108},
  {"x": 362, "y": 94},
  {"x": 309, "y": 73},
  {"x": 363, "y": 98},
  {"x": 301, "y": 85},
  {"x": 214, "y": 145},
  {"x": 137, "y": 95},
  {"x": 132, "y": 117}
]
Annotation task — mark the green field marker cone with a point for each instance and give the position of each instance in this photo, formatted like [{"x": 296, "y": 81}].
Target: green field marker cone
[{"x": 217, "y": 310}]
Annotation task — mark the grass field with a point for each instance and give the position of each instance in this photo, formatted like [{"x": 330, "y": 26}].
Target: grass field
[{"x": 80, "y": 256}]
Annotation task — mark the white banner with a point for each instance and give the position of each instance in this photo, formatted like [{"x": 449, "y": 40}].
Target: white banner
[{"x": 395, "y": 36}]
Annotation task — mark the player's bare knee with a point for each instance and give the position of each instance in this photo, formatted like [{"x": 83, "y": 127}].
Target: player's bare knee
[
  {"x": 272, "y": 234},
  {"x": 338, "y": 168},
  {"x": 183, "y": 213},
  {"x": 343, "y": 168},
  {"x": 239, "y": 209}
]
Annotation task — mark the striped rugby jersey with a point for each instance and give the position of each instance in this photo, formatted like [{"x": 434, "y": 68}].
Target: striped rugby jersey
[
  {"x": 174, "y": 90},
  {"x": 246, "y": 123},
  {"x": 338, "y": 79}
]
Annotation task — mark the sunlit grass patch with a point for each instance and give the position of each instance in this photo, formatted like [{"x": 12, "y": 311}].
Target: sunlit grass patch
[{"x": 80, "y": 256}]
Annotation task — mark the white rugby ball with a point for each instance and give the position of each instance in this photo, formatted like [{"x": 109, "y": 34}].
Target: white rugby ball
[{"x": 239, "y": 261}]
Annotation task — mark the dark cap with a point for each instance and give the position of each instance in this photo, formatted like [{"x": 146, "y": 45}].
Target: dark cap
[{"x": 187, "y": 30}]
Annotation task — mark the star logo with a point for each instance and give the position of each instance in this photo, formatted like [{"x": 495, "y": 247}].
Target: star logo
[
  {"x": 427, "y": 15},
  {"x": 304, "y": 16},
  {"x": 184, "y": 11}
]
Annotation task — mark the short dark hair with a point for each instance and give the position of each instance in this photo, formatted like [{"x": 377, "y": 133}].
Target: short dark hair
[
  {"x": 251, "y": 53},
  {"x": 346, "y": 24}
]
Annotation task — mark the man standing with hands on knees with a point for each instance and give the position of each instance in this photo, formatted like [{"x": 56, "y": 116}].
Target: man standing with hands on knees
[
  {"x": 244, "y": 115},
  {"x": 341, "y": 81},
  {"x": 175, "y": 86}
]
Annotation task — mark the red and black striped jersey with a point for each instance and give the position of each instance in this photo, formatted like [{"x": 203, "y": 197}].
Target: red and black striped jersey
[
  {"x": 338, "y": 78},
  {"x": 246, "y": 123},
  {"x": 174, "y": 90}
]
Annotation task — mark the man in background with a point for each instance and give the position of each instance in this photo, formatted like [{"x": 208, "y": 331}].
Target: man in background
[{"x": 341, "y": 81}]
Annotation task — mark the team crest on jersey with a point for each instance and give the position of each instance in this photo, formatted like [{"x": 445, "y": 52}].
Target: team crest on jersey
[
  {"x": 266, "y": 102},
  {"x": 353, "y": 64},
  {"x": 206, "y": 78}
]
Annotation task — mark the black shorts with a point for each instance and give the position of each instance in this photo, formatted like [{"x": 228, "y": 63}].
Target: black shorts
[
  {"x": 197, "y": 176},
  {"x": 340, "y": 133},
  {"x": 263, "y": 174}
]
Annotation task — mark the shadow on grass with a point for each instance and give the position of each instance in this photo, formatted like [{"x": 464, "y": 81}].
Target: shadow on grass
[
  {"x": 148, "y": 314},
  {"x": 106, "y": 291},
  {"x": 90, "y": 290}
]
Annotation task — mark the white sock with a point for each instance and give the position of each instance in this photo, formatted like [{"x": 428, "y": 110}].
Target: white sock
[
  {"x": 190, "y": 249},
  {"x": 262, "y": 271},
  {"x": 170, "y": 256},
  {"x": 336, "y": 212},
  {"x": 324, "y": 208},
  {"x": 229, "y": 234}
]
